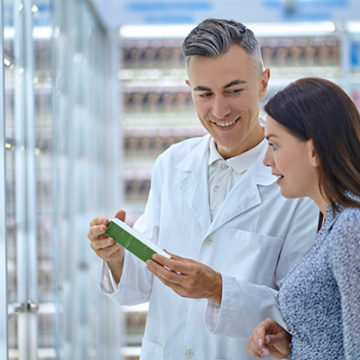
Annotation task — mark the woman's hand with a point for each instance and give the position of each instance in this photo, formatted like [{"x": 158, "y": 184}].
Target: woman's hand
[{"x": 269, "y": 339}]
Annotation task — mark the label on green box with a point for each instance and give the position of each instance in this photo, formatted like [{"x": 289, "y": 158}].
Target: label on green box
[{"x": 132, "y": 240}]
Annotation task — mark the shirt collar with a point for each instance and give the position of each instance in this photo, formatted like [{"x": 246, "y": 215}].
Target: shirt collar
[{"x": 239, "y": 163}]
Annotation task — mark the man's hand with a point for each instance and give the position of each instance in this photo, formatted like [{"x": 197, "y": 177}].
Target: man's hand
[
  {"x": 269, "y": 339},
  {"x": 105, "y": 247},
  {"x": 187, "y": 277}
]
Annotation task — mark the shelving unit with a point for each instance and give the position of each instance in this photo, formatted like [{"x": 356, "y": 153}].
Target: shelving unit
[
  {"x": 158, "y": 110},
  {"x": 157, "y": 105}
]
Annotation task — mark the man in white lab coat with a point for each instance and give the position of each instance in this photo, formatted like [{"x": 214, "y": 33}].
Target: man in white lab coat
[{"x": 217, "y": 209}]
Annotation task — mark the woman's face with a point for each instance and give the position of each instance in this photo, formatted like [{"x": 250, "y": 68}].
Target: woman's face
[{"x": 294, "y": 161}]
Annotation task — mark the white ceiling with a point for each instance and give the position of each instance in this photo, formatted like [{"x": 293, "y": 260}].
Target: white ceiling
[{"x": 115, "y": 13}]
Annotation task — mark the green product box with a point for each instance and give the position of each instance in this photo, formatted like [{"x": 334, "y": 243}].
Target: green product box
[{"x": 133, "y": 240}]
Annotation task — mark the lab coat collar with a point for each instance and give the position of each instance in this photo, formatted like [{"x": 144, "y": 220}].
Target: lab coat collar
[
  {"x": 196, "y": 194},
  {"x": 193, "y": 170},
  {"x": 190, "y": 163},
  {"x": 261, "y": 174},
  {"x": 245, "y": 194}
]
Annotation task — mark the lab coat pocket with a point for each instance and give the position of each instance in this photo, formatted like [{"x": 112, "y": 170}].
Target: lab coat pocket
[
  {"x": 151, "y": 351},
  {"x": 251, "y": 256}
]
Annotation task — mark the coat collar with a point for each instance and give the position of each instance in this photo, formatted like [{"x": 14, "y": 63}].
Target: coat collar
[
  {"x": 244, "y": 195},
  {"x": 261, "y": 174}
]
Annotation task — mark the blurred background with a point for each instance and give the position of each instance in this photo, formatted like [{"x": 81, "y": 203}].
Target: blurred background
[{"x": 91, "y": 93}]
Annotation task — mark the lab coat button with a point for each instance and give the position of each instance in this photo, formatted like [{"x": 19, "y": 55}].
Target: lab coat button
[
  {"x": 208, "y": 241},
  {"x": 224, "y": 166},
  {"x": 189, "y": 353},
  {"x": 217, "y": 188}
]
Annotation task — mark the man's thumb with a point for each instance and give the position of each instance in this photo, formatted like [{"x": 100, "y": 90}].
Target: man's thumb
[{"x": 121, "y": 215}]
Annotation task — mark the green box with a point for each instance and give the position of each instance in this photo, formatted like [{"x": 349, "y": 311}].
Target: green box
[{"x": 133, "y": 240}]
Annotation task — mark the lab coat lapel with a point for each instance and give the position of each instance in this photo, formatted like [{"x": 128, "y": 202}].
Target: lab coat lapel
[
  {"x": 193, "y": 183},
  {"x": 245, "y": 194}
]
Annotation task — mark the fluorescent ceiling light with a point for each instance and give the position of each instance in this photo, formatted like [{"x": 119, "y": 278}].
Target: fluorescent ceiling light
[
  {"x": 155, "y": 31},
  {"x": 292, "y": 28},
  {"x": 260, "y": 29},
  {"x": 39, "y": 32},
  {"x": 353, "y": 26},
  {"x": 42, "y": 32}
]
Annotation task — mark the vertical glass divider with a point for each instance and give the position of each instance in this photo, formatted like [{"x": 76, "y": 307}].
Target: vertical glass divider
[
  {"x": 25, "y": 180},
  {"x": 31, "y": 208},
  {"x": 3, "y": 247}
]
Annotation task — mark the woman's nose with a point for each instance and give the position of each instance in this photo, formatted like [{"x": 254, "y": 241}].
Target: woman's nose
[{"x": 268, "y": 160}]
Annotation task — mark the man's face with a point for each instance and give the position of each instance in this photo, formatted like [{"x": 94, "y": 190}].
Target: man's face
[{"x": 226, "y": 90}]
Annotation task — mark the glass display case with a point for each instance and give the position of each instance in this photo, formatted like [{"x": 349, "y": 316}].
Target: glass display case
[{"x": 59, "y": 104}]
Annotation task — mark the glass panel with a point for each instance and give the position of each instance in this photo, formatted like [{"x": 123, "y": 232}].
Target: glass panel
[
  {"x": 10, "y": 148},
  {"x": 45, "y": 171},
  {"x": 61, "y": 154}
]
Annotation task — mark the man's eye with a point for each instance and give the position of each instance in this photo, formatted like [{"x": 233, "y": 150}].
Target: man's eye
[
  {"x": 234, "y": 91},
  {"x": 274, "y": 147},
  {"x": 205, "y": 95}
]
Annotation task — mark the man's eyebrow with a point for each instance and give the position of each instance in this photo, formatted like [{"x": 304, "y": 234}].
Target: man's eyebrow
[
  {"x": 201, "y": 88},
  {"x": 235, "y": 82},
  {"x": 232, "y": 83}
]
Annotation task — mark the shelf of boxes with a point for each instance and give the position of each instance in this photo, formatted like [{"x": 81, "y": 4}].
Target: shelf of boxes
[
  {"x": 157, "y": 111},
  {"x": 157, "y": 105}
]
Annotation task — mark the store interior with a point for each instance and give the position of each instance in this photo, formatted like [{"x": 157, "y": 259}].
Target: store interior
[{"x": 92, "y": 92}]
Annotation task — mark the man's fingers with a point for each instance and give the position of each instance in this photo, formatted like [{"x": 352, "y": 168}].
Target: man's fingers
[
  {"x": 165, "y": 275},
  {"x": 175, "y": 257},
  {"x": 254, "y": 348},
  {"x": 276, "y": 339},
  {"x": 260, "y": 332},
  {"x": 99, "y": 220},
  {"x": 107, "y": 251},
  {"x": 102, "y": 243},
  {"x": 179, "y": 265},
  {"x": 96, "y": 231}
]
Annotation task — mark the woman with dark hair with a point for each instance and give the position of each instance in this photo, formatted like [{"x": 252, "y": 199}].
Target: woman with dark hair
[{"x": 313, "y": 134}]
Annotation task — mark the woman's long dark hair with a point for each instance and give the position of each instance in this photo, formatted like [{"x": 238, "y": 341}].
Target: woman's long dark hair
[{"x": 317, "y": 109}]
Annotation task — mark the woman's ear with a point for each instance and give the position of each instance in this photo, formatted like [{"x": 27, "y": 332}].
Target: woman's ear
[{"x": 313, "y": 154}]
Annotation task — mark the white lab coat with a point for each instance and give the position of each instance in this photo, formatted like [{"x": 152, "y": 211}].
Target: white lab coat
[{"x": 254, "y": 239}]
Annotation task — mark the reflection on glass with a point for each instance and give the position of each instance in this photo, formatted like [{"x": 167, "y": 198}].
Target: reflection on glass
[
  {"x": 10, "y": 167},
  {"x": 42, "y": 62},
  {"x": 45, "y": 177}
]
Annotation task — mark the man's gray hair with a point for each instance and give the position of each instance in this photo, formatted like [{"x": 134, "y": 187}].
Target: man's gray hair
[{"x": 213, "y": 37}]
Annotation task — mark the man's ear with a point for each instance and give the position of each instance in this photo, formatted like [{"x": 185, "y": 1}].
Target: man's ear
[
  {"x": 187, "y": 82},
  {"x": 264, "y": 83},
  {"x": 313, "y": 154}
]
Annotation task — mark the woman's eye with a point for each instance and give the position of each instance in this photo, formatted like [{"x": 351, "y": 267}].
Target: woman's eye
[{"x": 274, "y": 147}]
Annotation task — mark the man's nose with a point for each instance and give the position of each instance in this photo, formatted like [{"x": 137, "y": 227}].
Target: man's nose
[{"x": 221, "y": 107}]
